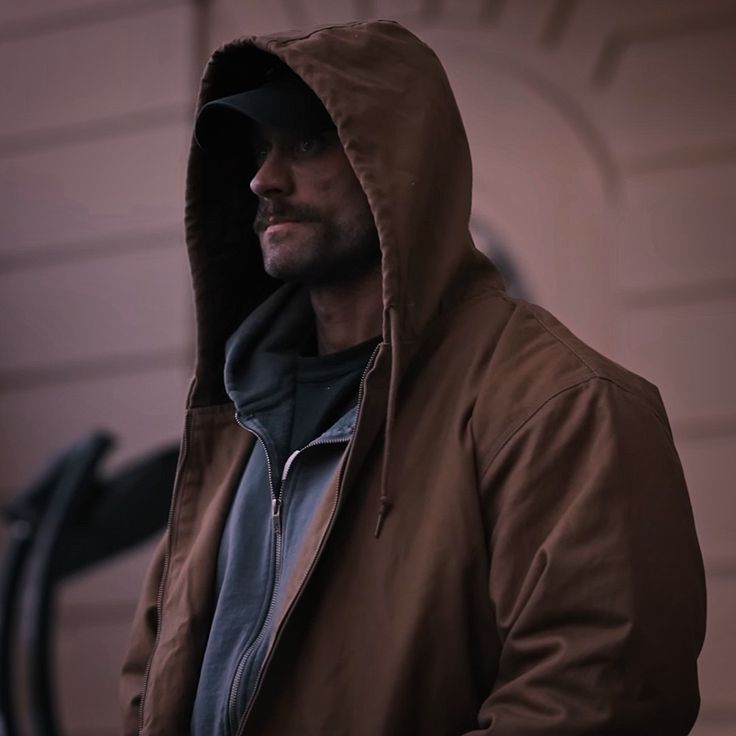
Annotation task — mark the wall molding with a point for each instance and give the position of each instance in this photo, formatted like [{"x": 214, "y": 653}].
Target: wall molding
[
  {"x": 717, "y": 714},
  {"x": 492, "y": 11},
  {"x": 622, "y": 39},
  {"x": 704, "y": 428},
  {"x": 90, "y": 14},
  {"x": 428, "y": 12},
  {"x": 560, "y": 100},
  {"x": 115, "y": 246},
  {"x": 685, "y": 157},
  {"x": 680, "y": 294},
  {"x": 558, "y": 21},
  {"x": 720, "y": 567},
  {"x": 91, "y": 369},
  {"x": 33, "y": 141},
  {"x": 77, "y": 615}
]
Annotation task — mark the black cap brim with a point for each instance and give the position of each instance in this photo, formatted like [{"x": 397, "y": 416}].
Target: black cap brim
[{"x": 284, "y": 102}]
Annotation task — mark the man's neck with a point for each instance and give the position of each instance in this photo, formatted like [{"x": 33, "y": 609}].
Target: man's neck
[{"x": 348, "y": 314}]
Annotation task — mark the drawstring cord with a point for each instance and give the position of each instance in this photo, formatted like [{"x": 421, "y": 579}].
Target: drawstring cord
[{"x": 384, "y": 504}]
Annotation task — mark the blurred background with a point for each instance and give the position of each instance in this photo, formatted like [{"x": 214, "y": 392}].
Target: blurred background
[{"x": 603, "y": 135}]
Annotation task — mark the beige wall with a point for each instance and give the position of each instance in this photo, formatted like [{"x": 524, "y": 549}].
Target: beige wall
[
  {"x": 94, "y": 298},
  {"x": 604, "y": 144}
]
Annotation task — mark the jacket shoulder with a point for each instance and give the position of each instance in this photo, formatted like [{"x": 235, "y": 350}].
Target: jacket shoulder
[{"x": 526, "y": 358}]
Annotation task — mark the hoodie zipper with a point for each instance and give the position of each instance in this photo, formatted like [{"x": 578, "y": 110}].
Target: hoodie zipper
[
  {"x": 317, "y": 554},
  {"x": 276, "y": 504},
  {"x": 276, "y": 501}
]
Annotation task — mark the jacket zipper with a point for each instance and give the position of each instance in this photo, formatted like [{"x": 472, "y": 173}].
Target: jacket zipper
[
  {"x": 165, "y": 570},
  {"x": 276, "y": 501},
  {"x": 316, "y": 556}
]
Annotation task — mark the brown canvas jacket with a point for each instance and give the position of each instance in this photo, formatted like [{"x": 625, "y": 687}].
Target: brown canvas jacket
[{"x": 536, "y": 571}]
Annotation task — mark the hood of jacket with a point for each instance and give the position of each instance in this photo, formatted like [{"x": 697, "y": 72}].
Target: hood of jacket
[{"x": 399, "y": 124}]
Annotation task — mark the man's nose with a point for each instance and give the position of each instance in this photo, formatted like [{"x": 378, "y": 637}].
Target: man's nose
[{"x": 273, "y": 176}]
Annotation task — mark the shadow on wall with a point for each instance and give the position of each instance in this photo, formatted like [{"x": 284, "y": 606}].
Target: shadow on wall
[{"x": 489, "y": 242}]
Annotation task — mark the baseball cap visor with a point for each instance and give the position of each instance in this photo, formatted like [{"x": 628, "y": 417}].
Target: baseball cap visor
[{"x": 286, "y": 103}]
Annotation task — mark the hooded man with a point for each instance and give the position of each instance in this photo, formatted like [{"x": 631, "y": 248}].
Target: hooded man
[{"x": 435, "y": 511}]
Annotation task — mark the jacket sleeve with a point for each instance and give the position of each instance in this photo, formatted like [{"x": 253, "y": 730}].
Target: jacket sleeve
[
  {"x": 596, "y": 577},
  {"x": 142, "y": 640}
]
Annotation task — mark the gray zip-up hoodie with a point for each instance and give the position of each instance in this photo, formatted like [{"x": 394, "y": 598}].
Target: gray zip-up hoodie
[{"x": 278, "y": 494}]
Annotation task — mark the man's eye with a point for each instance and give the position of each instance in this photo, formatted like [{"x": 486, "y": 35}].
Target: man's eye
[{"x": 310, "y": 144}]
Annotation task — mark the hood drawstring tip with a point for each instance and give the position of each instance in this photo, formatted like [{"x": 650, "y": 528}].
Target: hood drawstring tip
[
  {"x": 382, "y": 514},
  {"x": 393, "y": 384}
]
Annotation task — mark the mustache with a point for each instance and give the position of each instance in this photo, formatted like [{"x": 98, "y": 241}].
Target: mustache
[{"x": 281, "y": 210}]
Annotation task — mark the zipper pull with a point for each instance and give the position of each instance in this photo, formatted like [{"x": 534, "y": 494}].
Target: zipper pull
[{"x": 276, "y": 514}]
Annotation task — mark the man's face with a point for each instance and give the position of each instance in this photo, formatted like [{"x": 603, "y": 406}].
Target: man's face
[{"x": 313, "y": 221}]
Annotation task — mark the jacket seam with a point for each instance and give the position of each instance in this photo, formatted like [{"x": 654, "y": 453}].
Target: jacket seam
[
  {"x": 483, "y": 293},
  {"x": 501, "y": 443},
  {"x": 504, "y": 440},
  {"x": 558, "y": 338},
  {"x": 286, "y": 41},
  {"x": 449, "y": 309}
]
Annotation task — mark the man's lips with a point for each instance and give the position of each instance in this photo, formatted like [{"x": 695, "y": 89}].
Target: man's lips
[
  {"x": 273, "y": 226},
  {"x": 281, "y": 221},
  {"x": 276, "y": 224},
  {"x": 262, "y": 224}
]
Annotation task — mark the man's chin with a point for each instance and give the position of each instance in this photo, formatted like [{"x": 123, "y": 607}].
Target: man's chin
[
  {"x": 290, "y": 270},
  {"x": 315, "y": 275}
]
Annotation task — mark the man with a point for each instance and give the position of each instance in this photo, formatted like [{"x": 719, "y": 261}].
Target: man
[{"x": 437, "y": 511}]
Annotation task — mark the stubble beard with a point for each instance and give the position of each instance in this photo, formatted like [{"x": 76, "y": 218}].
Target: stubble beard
[{"x": 325, "y": 254}]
